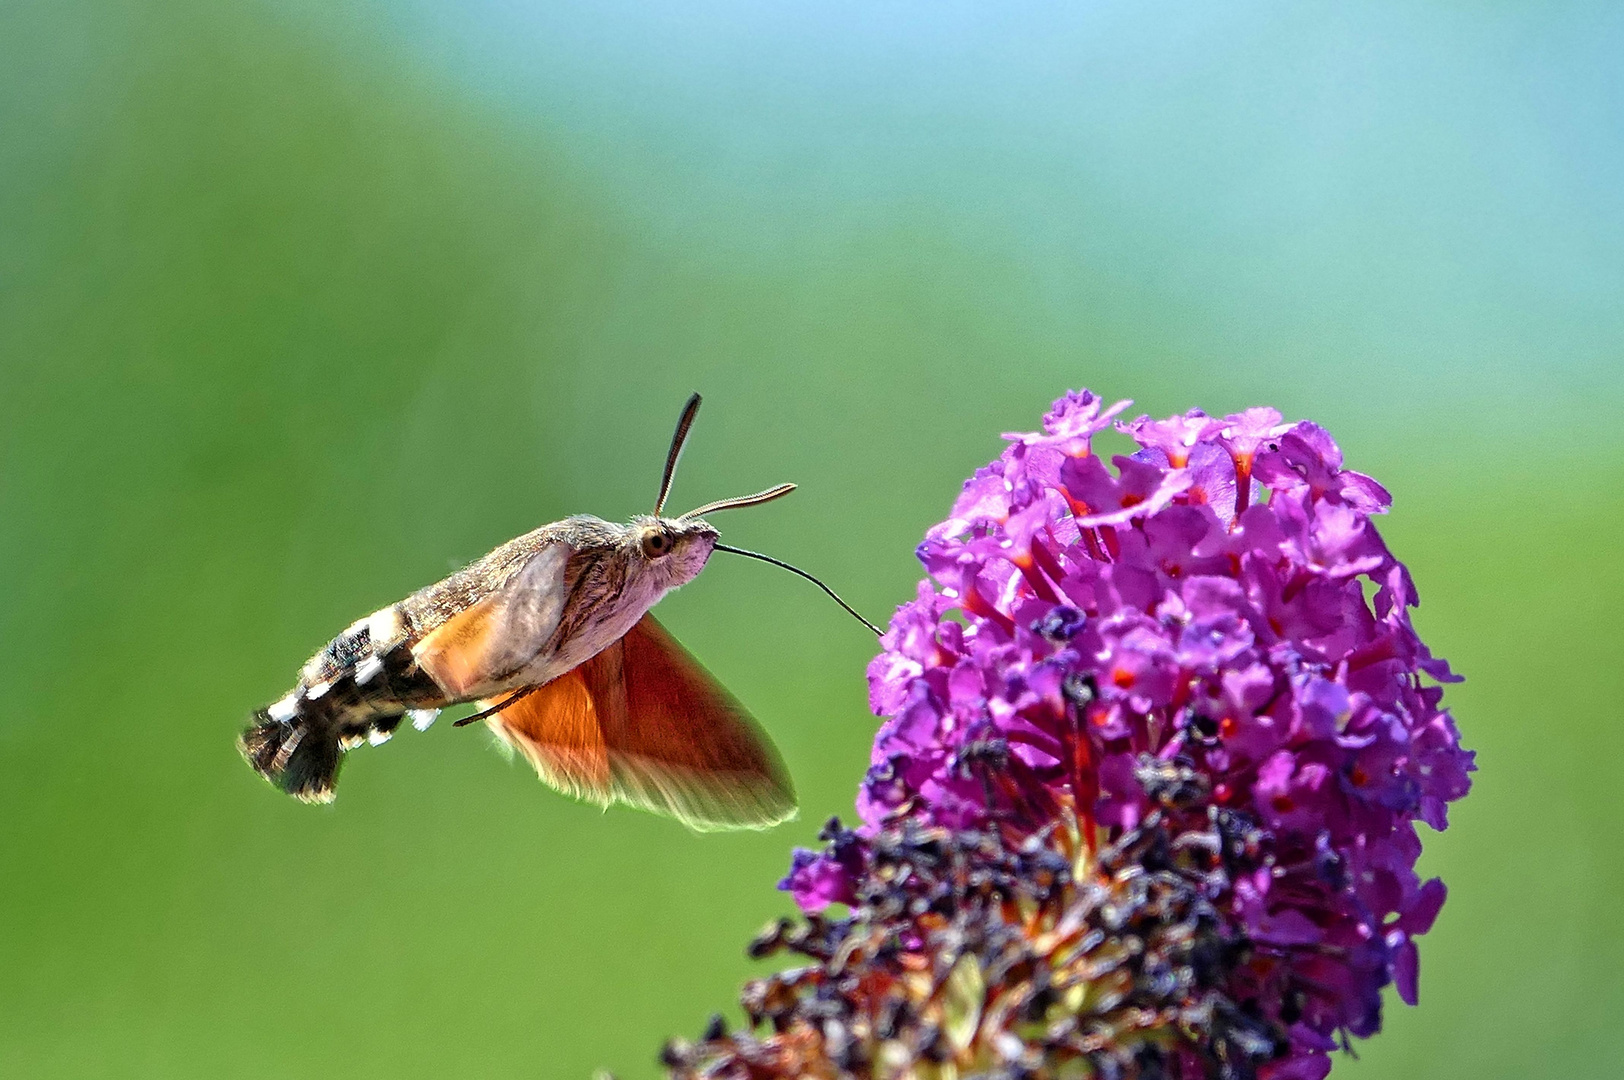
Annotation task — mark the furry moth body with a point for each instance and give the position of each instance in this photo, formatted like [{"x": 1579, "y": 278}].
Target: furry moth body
[{"x": 551, "y": 635}]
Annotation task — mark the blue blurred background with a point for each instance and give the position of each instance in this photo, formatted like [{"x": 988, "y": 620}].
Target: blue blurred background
[{"x": 304, "y": 303}]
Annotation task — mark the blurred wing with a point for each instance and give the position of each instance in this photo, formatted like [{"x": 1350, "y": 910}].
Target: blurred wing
[
  {"x": 682, "y": 745},
  {"x": 643, "y": 723},
  {"x": 556, "y": 728},
  {"x": 500, "y": 633}
]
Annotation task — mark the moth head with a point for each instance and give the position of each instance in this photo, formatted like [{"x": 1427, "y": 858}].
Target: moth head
[
  {"x": 678, "y": 548},
  {"x": 674, "y": 550}
]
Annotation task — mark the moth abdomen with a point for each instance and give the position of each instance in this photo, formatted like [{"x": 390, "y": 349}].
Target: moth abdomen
[
  {"x": 348, "y": 694},
  {"x": 299, "y": 754},
  {"x": 298, "y": 743}
]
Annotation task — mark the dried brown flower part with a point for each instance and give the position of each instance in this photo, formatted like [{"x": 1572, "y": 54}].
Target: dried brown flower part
[{"x": 972, "y": 953}]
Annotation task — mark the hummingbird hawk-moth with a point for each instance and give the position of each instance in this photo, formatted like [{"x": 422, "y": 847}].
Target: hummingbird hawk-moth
[{"x": 551, "y": 635}]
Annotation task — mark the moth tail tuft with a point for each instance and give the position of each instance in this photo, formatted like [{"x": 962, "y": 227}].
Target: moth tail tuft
[{"x": 300, "y": 754}]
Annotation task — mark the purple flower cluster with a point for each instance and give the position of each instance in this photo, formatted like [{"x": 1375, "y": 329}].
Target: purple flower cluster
[{"x": 1220, "y": 597}]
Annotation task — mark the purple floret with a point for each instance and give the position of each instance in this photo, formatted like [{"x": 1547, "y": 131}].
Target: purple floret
[{"x": 1202, "y": 600}]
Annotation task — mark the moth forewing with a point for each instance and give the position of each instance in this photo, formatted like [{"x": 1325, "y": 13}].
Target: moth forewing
[{"x": 480, "y": 648}]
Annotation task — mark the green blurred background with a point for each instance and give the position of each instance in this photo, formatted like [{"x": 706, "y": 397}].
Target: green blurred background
[{"x": 303, "y": 304}]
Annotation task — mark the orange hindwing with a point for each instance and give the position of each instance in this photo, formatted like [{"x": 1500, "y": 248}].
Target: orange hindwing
[{"x": 643, "y": 723}]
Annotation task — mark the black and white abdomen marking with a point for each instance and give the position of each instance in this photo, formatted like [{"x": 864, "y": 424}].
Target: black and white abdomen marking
[{"x": 355, "y": 690}]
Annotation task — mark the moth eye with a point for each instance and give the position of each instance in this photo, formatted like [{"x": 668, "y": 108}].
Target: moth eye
[{"x": 656, "y": 544}]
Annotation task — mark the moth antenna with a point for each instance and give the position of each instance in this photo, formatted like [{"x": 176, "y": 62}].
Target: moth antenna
[
  {"x": 498, "y": 707},
  {"x": 678, "y": 438},
  {"x": 742, "y": 500},
  {"x": 797, "y": 570}
]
